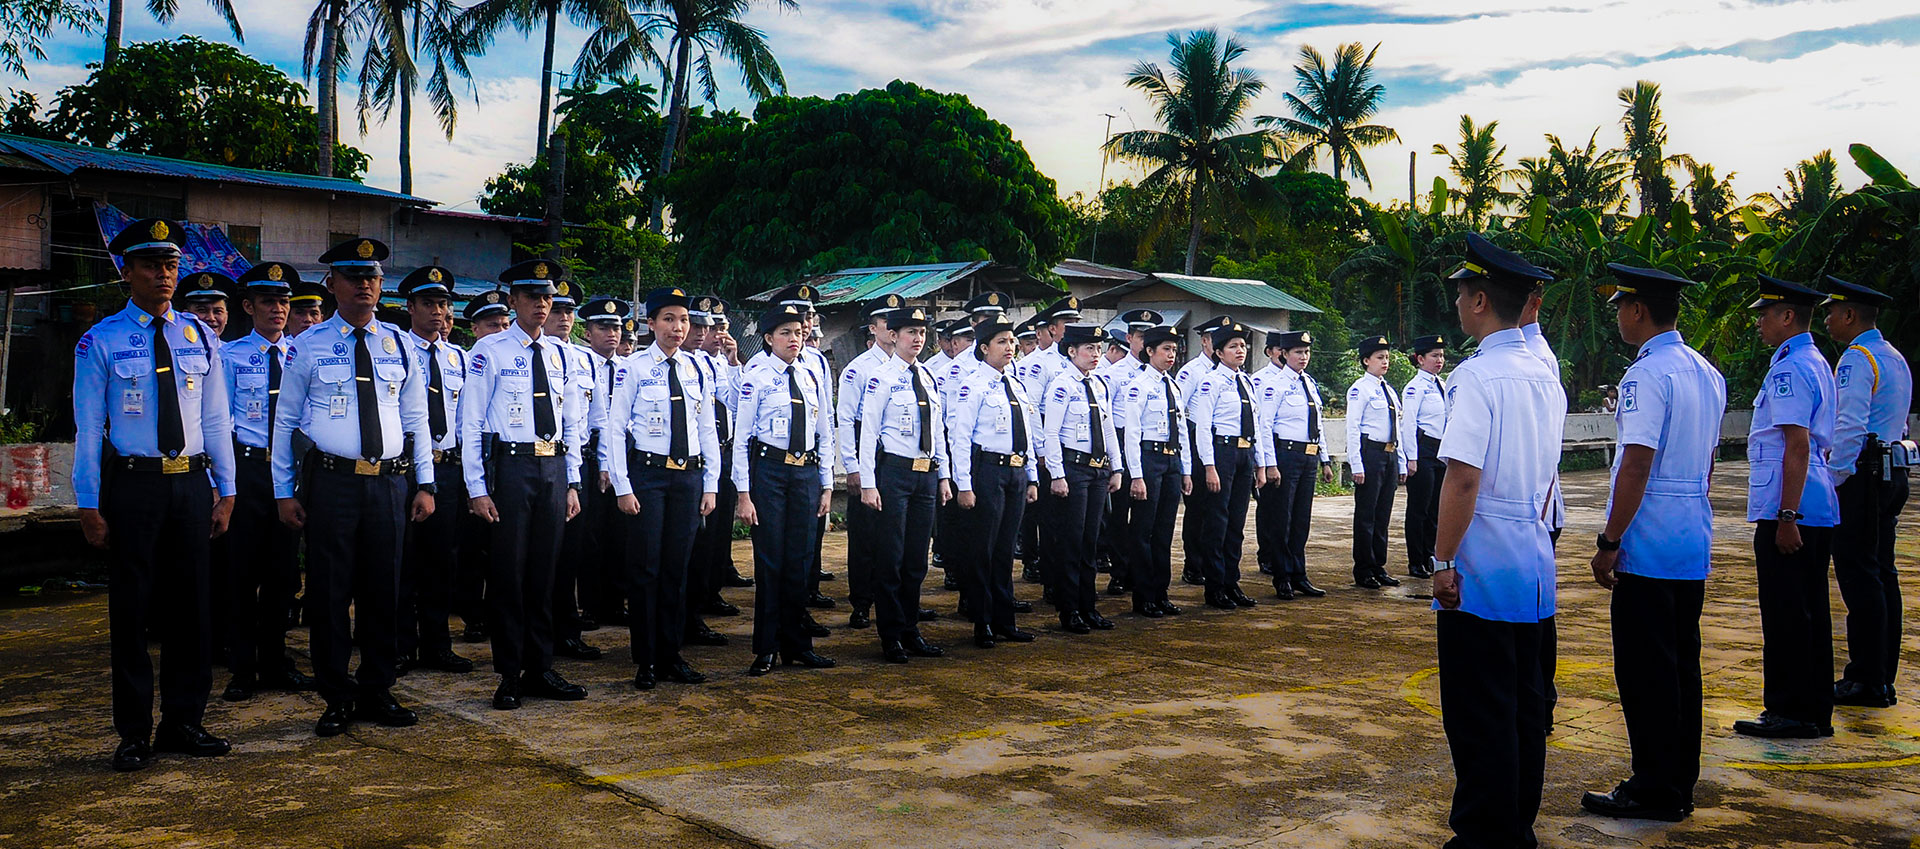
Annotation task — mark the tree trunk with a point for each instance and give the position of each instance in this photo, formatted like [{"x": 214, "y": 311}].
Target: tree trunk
[
  {"x": 116, "y": 20},
  {"x": 546, "y": 81},
  {"x": 1193, "y": 226},
  {"x": 556, "y": 190},
  {"x": 327, "y": 77},
  {"x": 676, "y": 115},
  {"x": 406, "y": 138}
]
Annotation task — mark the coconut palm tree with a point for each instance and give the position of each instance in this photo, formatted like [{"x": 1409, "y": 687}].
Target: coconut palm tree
[
  {"x": 694, "y": 31},
  {"x": 483, "y": 20},
  {"x": 1646, "y": 136},
  {"x": 1477, "y": 164},
  {"x": 323, "y": 58},
  {"x": 1577, "y": 177},
  {"x": 1811, "y": 185},
  {"x": 1199, "y": 164},
  {"x": 402, "y": 36},
  {"x": 162, "y": 11},
  {"x": 1711, "y": 200},
  {"x": 1331, "y": 109}
]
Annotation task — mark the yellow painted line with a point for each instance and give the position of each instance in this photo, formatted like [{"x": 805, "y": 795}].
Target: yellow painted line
[
  {"x": 1910, "y": 760},
  {"x": 962, "y": 736}
]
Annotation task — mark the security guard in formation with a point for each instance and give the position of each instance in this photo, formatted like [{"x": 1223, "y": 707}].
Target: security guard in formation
[
  {"x": 993, "y": 435},
  {"x": 1493, "y": 581},
  {"x": 1037, "y": 371},
  {"x": 1423, "y": 422},
  {"x": 711, "y": 569},
  {"x": 1188, "y": 379},
  {"x": 433, "y": 554},
  {"x": 1081, "y": 467},
  {"x": 153, "y": 474},
  {"x": 1375, "y": 454},
  {"x": 1290, "y": 405},
  {"x": 666, "y": 474},
  {"x": 1027, "y": 337},
  {"x": 351, "y": 388},
  {"x": 904, "y": 474},
  {"x": 486, "y": 314},
  {"x": 595, "y": 574},
  {"x": 307, "y": 307},
  {"x": 1656, "y": 549},
  {"x": 263, "y": 559},
  {"x": 1116, "y": 527},
  {"x": 956, "y": 344},
  {"x": 1870, "y": 461},
  {"x": 1153, "y": 435},
  {"x": 520, "y": 444},
  {"x": 1231, "y": 441},
  {"x": 786, "y": 428},
  {"x": 577, "y": 552},
  {"x": 801, "y": 296},
  {"x": 853, "y": 392},
  {"x": 1791, "y": 501},
  {"x": 205, "y": 294}
]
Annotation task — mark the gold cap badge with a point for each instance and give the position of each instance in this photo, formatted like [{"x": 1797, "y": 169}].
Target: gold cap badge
[
  {"x": 433, "y": 275},
  {"x": 160, "y": 230},
  {"x": 365, "y": 250},
  {"x": 540, "y": 270},
  {"x": 562, "y": 288},
  {"x": 274, "y": 273},
  {"x": 993, "y": 299}
]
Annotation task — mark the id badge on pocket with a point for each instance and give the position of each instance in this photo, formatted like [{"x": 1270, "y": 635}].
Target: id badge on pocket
[
  {"x": 255, "y": 410},
  {"x": 516, "y": 415},
  {"x": 1002, "y": 424},
  {"x": 337, "y": 406},
  {"x": 656, "y": 425},
  {"x": 133, "y": 402}
]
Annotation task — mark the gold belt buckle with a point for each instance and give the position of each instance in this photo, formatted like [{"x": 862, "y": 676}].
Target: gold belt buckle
[
  {"x": 676, "y": 465},
  {"x": 1388, "y": 447},
  {"x": 1312, "y": 449},
  {"x": 1243, "y": 442},
  {"x": 1017, "y": 461},
  {"x": 175, "y": 465},
  {"x": 922, "y": 464},
  {"x": 543, "y": 448},
  {"x": 366, "y": 467},
  {"x": 792, "y": 459}
]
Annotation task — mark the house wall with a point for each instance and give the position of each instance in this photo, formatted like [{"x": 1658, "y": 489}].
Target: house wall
[
  {"x": 294, "y": 227},
  {"x": 26, "y": 234},
  {"x": 468, "y": 247}
]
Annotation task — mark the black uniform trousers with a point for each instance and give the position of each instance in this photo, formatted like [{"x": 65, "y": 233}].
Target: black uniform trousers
[
  {"x": 1150, "y": 534},
  {"x": 1796, "y": 625},
  {"x": 580, "y": 546},
  {"x": 712, "y": 560},
  {"x": 986, "y": 534},
  {"x": 1493, "y": 694},
  {"x": 860, "y": 543},
  {"x": 531, "y": 495},
  {"x": 1423, "y": 502},
  {"x": 1268, "y": 513},
  {"x": 902, "y": 531},
  {"x": 1073, "y": 535},
  {"x": 1030, "y": 553},
  {"x": 427, "y": 569},
  {"x": 785, "y": 500},
  {"x": 1192, "y": 552},
  {"x": 1224, "y": 523},
  {"x": 659, "y": 548},
  {"x": 1864, "y": 567},
  {"x": 1373, "y": 508},
  {"x": 1116, "y": 539},
  {"x": 264, "y": 567},
  {"x": 1656, "y": 664},
  {"x": 157, "y": 529},
  {"x": 473, "y": 559},
  {"x": 1293, "y": 514},
  {"x": 355, "y": 531}
]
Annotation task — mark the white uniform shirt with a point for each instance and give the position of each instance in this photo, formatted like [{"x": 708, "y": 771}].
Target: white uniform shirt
[
  {"x": 640, "y": 415},
  {"x": 1798, "y": 390},
  {"x": 113, "y": 396},
  {"x": 1289, "y": 400},
  {"x": 853, "y": 390},
  {"x": 1423, "y": 410},
  {"x": 1374, "y": 413},
  {"x": 246, "y": 362},
  {"x": 453, "y": 378},
  {"x": 766, "y": 408},
  {"x": 319, "y": 397},
  {"x": 1506, "y": 413},
  {"x": 1039, "y": 369},
  {"x": 1150, "y": 396},
  {"x": 1218, "y": 402},
  {"x": 1068, "y": 421},
  {"x": 1537, "y": 344},
  {"x": 892, "y": 413},
  {"x": 1874, "y": 390},
  {"x": 1671, "y": 400},
  {"x": 982, "y": 417},
  {"x": 498, "y": 401}
]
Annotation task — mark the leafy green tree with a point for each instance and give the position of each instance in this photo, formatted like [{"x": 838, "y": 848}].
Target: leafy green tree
[
  {"x": 1332, "y": 108},
  {"x": 1645, "y": 129},
  {"x": 403, "y": 35},
  {"x": 1476, "y": 163},
  {"x": 198, "y": 100},
  {"x": 24, "y": 24},
  {"x": 1199, "y": 165},
  {"x": 881, "y": 177},
  {"x": 1301, "y": 270},
  {"x": 1397, "y": 284},
  {"x": 162, "y": 11}
]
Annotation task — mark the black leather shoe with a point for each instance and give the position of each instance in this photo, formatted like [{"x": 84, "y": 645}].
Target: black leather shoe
[
  {"x": 1284, "y": 592},
  {"x": 682, "y": 673},
  {"x": 1073, "y": 623},
  {"x": 339, "y": 717},
  {"x": 240, "y": 689},
  {"x": 859, "y": 618},
  {"x": 1168, "y": 608},
  {"x": 1621, "y": 805},
  {"x": 1030, "y": 574},
  {"x": 1115, "y": 586},
  {"x": 893, "y": 652},
  {"x": 762, "y": 664},
  {"x": 1219, "y": 600},
  {"x": 474, "y": 633},
  {"x": 1266, "y": 569},
  {"x": 578, "y": 649},
  {"x": 1191, "y": 577},
  {"x": 1780, "y": 727},
  {"x": 644, "y": 680},
  {"x": 815, "y": 629},
  {"x": 1386, "y": 580},
  {"x": 928, "y": 614},
  {"x": 1240, "y": 598},
  {"x": 824, "y": 575},
  {"x": 1022, "y": 606},
  {"x": 1366, "y": 582},
  {"x": 1306, "y": 588},
  {"x": 586, "y": 622},
  {"x": 191, "y": 740},
  {"x": 403, "y": 664},
  {"x": 385, "y": 710},
  {"x": 819, "y": 601},
  {"x": 1014, "y": 635},
  {"x": 809, "y": 659},
  {"x": 982, "y": 637},
  {"x": 132, "y": 755},
  {"x": 552, "y": 685},
  {"x": 445, "y": 660},
  {"x": 718, "y": 606},
  {"x": 507, "y": 696},
  {"x": 706, "y": 636},
  {"x": 1149, "y": 609},
  {"x": 1856, "y": 694},
  {"x": 737, "y": 580},
  {"x": 918, "y": 646},
  {"x": 1098, "y": 622},
  {"x": 1417, "y": 571}
]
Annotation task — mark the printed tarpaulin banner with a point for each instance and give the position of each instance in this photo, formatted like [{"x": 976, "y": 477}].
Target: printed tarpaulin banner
[{"x": 208, "y": 248}]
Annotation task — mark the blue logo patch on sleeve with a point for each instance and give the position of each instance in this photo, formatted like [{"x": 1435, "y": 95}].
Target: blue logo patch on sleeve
[
  {"x": 1844, "y": 376},
  {"x": 1783, "y": 386},
  {"x": 479, "y": 362},
  {"x": 1628, "y": 403},
  {"x": 80, "y": 350}
]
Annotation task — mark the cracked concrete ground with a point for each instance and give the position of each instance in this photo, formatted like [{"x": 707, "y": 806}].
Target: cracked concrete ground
[{"x": 1306, "y": 723}]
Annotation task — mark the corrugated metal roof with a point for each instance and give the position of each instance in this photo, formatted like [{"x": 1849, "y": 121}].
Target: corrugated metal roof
[
  {"x": 853, "y": 285},
  {"x": 1085, "y": 269},
  {"x": 69, "y": 158},
  {"x": 1225, "y": 291}
]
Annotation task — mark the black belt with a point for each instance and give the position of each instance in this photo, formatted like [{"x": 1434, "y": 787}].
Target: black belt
[
  {"x": 368, "y": 468},
  {"x": 164, "y": 465},
  {"x": 1081, "y": 458},
  {"x": 1311, "y": 449},
  {"x": 1384, "y": 446},
  {"x": 651, "y": 460},
  {"x": 447, "y": 455},
  {"x": 544, "y": 448},
  {"x": 762, "y": 450},
  {"x": 911, "y": 464},
  {"x": 1424, "y": 439},
  {"x": 1168, "y": 448},
  {"x": 249, "y": 452},
  {"x": 1233, "y": 442},
  {"x": 1017, "y": 461}
]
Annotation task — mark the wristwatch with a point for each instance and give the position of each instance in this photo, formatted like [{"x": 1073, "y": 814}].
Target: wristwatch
[
  {"x": 1605, "y": 544},
  {"x": 575, "y": 487},
  {"x": 1789, "y": 516},
  {"x": 1442, "y": 565},
  {"x": 430, "y": 489}
]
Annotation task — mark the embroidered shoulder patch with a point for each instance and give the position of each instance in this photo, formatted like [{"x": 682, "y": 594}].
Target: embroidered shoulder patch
[
  {"x": 86, "y": 344},
  {"x": 1628, "y": 401},
  {"x": 478, "y": 363},
  {"x": 1844, "y": 376},
  {"x": 1783, "y": 386}
]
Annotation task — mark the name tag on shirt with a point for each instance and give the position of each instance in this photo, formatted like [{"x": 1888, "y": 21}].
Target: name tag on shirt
[
  {"x": 256, "y": 410},
  {"x": 1003, "y": 423},
  {"x": 516, "y": 415},
  {"x": 337, "y": 406},
  {"x": 656, "y": 424},
  {"x": 133, "y": 402}
]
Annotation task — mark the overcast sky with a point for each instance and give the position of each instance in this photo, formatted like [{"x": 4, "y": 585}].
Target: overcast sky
[{"x": 1751, "y": 86}]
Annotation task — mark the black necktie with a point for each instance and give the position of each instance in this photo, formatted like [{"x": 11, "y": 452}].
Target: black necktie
[
  {"x": 1098, "y": 439},
  {"x": 1019, "y": 416},
  {"x": 1246, "y": 405},
  {"x": 371, "y": 446},
  {"x": 926, "y": 411},
  {"x": 1393, "y": 414},
  {"x": 436, "y": 402},
  {"x": 172, "y": 428},
  {"x": 1173, "y": 422},
  {"x": 542, "y": 408},
  {"x": 1313, "y": 409},
  {"x": 273, "y": 384},
  {"x": 676, "y": 394},
  {"x": 796, "y": 420}
]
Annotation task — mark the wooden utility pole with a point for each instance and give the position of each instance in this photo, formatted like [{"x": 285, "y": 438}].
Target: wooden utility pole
[
  {"x": 1412, "y": 199},
  {"x": 1100, "y": 192},
  {"x": 556, "y": 188}
]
